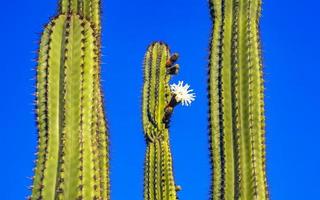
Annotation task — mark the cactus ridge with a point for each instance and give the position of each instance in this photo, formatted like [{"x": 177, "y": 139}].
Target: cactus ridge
[
  {"x": 89, "y": 9},
  {"x": 236, "y": 102},
  {"x": 158, "y": 104},
  {"x": 72, "y": 158},
  {"x": 41, "y": 111}
]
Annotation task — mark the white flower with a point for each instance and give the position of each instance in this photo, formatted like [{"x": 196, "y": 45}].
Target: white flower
[{"x": 182, "y": 93}]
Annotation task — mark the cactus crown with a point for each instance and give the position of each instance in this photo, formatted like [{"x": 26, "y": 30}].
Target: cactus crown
[
  {"x": 72, "y": 159},
  {"x": 236, "y": 94},
  {"x": 156, "y": 90}
]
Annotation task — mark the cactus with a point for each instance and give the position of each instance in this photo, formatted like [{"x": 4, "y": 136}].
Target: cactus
[
  {"x": 236, "y": 92},
  {"x": 72, "y": 158},
  {"x": 158, "y": 103}
]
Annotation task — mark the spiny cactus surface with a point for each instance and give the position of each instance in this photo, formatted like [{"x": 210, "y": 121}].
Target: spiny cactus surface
[
  {"x": 158, "y": 104},
  {"x": 236, "y": 92},
  {"x": 89, "y": 9},
  {"x": 72, "y": 158}
]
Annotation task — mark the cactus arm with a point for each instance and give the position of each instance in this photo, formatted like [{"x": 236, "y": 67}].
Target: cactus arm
[
  {"x": 164, "y": 89},
  {"x": 155, "y": 78},
  {"x": 145, "y": 95},
  {"x": 237, "y": 102},
  {"x": 158, "y": 176},
  {"x": 154, "y": 89}
]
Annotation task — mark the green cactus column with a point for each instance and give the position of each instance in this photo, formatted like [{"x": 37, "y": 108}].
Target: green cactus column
[
  {"x": 236, "y": 92},
  {"x": 158, "y": 103},
  {"x": 72, "y": 159}
]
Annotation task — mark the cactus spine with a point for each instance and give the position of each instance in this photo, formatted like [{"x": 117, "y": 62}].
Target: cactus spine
[
  {"x": 158, "y": 104},
  {"x": 72, "y": 159},
  {"x": 236, "y": 92}
]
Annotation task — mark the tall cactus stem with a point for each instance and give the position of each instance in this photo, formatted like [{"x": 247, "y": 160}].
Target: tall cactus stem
[
  {"x": 157, "y": 108},
  {"x": 236, "y": 101},
  {"x": 73, "y": 158}
]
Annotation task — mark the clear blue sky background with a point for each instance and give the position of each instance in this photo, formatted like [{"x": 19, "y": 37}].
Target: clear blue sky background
[{"x": 290, "y": 34}]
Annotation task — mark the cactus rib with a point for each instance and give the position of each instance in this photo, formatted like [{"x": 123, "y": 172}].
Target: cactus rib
[{"x": 89, "y": 9}]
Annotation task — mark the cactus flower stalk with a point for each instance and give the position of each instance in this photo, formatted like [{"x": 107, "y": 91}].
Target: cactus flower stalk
[
  {"x": 72, "y": 158},
  {"x": 236, "y": 97},
  {"x": 159, "y": 100}
]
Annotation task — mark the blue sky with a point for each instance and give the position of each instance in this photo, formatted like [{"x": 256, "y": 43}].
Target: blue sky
[{"x": 290, "y": 38}]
